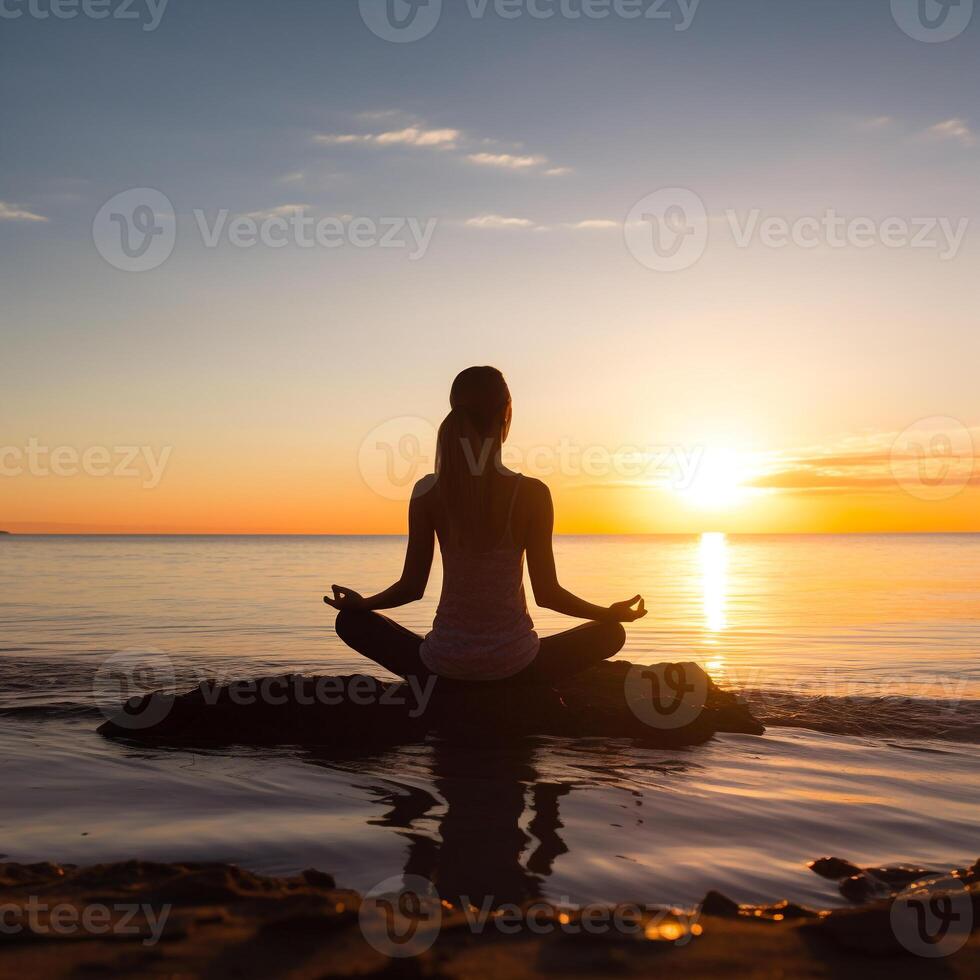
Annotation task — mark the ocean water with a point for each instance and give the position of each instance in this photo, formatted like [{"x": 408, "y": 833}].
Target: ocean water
[{"x": 861, "y": 653}]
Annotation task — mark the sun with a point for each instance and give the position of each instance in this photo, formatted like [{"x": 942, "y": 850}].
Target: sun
[{"x": 717, "y": 481}]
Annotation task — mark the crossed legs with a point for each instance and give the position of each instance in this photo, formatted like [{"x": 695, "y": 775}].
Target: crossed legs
[{"x": 560, "y": 656}]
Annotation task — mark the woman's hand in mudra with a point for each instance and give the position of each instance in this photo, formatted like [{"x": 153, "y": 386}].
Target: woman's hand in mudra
[
  {"x": 344, "y": 598},
  {"x": 623, "y": 612}
]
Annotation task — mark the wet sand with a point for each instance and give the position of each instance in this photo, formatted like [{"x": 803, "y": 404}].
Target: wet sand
[{"x": 217, "y": 920}]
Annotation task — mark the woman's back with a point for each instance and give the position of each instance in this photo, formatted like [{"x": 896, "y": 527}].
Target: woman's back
[
  {"x": 486, "y": 519},
  {"x": 482, "y": 629}
]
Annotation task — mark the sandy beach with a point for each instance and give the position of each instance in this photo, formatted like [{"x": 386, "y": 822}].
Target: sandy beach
[{"x": 217, "y": 920}]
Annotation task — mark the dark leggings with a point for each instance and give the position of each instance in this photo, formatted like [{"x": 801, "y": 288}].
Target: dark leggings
[{"x": 560, "y": 656}]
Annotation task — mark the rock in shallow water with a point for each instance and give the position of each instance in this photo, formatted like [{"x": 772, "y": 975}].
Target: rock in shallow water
[
  {"x": 860, "y": 885},
  {"x": 357, "y": 712}
]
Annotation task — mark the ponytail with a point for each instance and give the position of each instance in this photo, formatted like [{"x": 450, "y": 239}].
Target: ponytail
[{"x": 468, "y": 450}]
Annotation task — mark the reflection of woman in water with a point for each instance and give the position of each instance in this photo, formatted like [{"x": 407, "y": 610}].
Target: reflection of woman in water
[
  {"x": 481, "y": 842},
  {"x": 486, "y": 518}
]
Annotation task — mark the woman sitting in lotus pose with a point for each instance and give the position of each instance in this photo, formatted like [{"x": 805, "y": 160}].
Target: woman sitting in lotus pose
[{"x": 486, "y": 517}]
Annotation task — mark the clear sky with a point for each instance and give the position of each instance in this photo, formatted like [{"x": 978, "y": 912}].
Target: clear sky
[{"x": 773, "y": 383}]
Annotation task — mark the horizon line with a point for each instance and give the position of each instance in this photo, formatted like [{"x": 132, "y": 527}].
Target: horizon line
[{"x": 404, "y": 534}]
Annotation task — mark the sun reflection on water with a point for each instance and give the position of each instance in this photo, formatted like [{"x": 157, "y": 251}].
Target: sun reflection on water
[{"x": 713, "y": 558}]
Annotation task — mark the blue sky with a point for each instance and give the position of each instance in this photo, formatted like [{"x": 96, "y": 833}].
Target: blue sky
[{"x": 789, "y": 107}]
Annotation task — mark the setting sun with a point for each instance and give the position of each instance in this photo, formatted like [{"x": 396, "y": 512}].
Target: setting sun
[{"x": 718, "y": 481}]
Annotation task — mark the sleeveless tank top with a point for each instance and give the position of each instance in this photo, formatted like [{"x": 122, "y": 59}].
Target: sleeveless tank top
[{"x": 482, "y": 630}]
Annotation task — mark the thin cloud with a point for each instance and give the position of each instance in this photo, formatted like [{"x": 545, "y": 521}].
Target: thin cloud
[
  {"x": 808, "y": 480},
  {"x": 380, "y": 115},
  {"x": 594, "y": 224},
  {"x": 506, "y": 161},
  {"x": 416, "y": 133},
  {"x": 953, "y": 129},
  {"x": 341, "y": 139},
  {"x": 409, "y": 136},
  {"x": 15, "y": 212},
  {"x": 874, "y": 470},
  {"x": 413, "y": 136},
  {"x": 498, "y": 222},
  {"x": 282, "y": 211},
  {"x": 876, "y": 122}
]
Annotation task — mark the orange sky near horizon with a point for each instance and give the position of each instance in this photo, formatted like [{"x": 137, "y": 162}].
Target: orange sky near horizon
[{"x": 922, "y": 481}]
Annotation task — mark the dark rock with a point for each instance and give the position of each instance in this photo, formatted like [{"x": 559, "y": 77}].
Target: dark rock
[
  {"x": 342, "y": 712},
  {"x": 834, "y": 868},
  {"x": 861, "y": 888},
  {"x": 867, "y": 930},
  {"x": 902, "y": 874},
  {"x": 790, "y": 910},
  {"x": 721, "y": 905},
  {"x": 318, "y": 879},
  {"x": 354, "y": 713},
  {"x": 862, "y": 885},
  {"x": 24, "y": 874}
]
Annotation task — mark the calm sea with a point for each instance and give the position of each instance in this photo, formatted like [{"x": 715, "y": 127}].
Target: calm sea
[{"x": 860, "y": 651}]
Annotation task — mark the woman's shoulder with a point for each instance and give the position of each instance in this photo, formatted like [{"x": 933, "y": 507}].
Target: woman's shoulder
[
  {"x": 534, "y": 488},
  {"x": 424, "y": 486}
]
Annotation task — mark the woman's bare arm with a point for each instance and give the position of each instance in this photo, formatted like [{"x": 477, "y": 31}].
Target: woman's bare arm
[
  {"x": 415, "y": 573},
  {"x": 548, "y": 591}
]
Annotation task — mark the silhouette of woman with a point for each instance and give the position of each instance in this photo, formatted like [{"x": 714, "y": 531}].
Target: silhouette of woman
[{"x": 486, "y": 518}]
